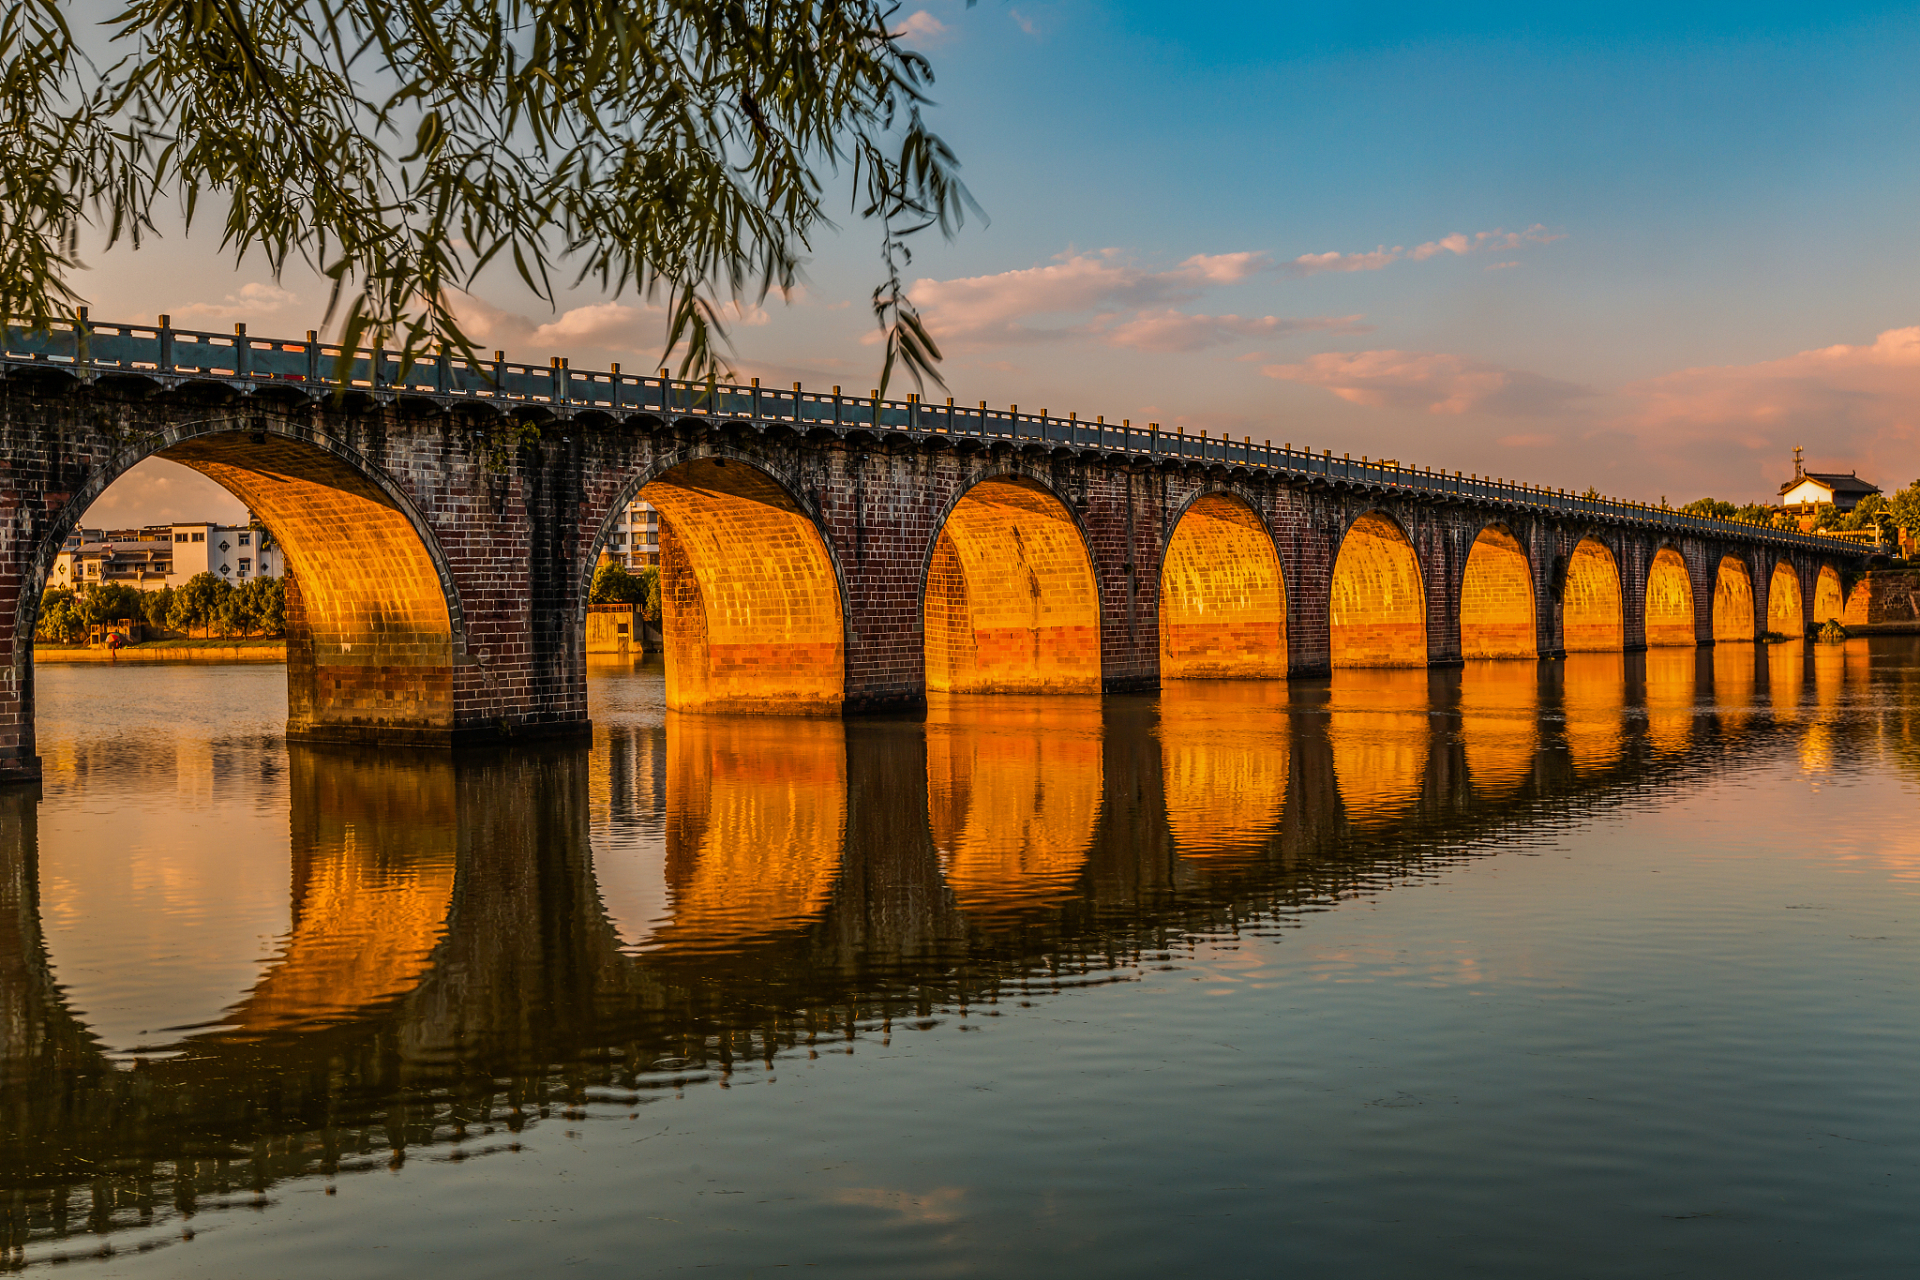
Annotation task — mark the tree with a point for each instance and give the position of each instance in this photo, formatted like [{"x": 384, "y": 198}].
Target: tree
[
  {"x": 612, "y": 584},
  {"x": 155, "y": 606},
  {"x": 59, "y": 621},
  {"x": 109, "y": 602},
  {"x": 255, "y": 607},
  {"x": 675, "y": 147},
  {"x": 197, "y": 602}
]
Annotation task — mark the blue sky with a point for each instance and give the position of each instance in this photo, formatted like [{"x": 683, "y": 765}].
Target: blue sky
[{"x": 1643, "y": 248}]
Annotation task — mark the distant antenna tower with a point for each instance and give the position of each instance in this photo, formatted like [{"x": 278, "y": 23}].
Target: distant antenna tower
[{"x": 1797, "y": 472}]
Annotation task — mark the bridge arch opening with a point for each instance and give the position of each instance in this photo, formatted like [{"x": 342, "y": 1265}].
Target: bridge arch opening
[
  {"x": 1669, "y": 602},
  {"x": 1377, "y": 613},
  {"x": 1829, "y": 599},
  {"x": 1011, "y": 605},
  {"x": 1496, "y": 599},
  {"x": 1732, "y": 601},
  {"x": 1223, "y": 603},
  {"x": 373, "y": 625},
  {"x": 751, "y": 616},
  {"x": 1786, "y": 614},
  {"x": 1592, "y": 608}
]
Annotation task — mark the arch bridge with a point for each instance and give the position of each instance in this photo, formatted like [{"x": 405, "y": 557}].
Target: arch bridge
[{"x": 820, "y": 554}]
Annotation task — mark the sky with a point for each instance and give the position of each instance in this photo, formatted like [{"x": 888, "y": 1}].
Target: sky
[{"x": 1642, "y": 248}]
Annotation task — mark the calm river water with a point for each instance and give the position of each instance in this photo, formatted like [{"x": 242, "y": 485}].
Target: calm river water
[{"x": 1603, "y": 967}]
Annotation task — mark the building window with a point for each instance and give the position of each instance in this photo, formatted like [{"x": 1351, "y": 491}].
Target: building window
[
  {"x": 246, "y": 539},
  {"x": 245, "y": 564},
  {"x": 179, "y": 537},
  {"x": 225, "y": 547},
  {"x": 224, "y": 570},
  {"x": 199, "y": 537}
]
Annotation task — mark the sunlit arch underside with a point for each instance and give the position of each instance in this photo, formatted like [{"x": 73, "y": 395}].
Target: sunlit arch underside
[
  {"x": 1223, "y": 604},
  {"x": 1377, "y": 613},
  {"x": 1593, "y": 700},
  {"x": 750, "y": 605},
  {"x": 1496, "y": 599},
  {"x": 1786, "y": 614},
  {"x": 1672, "y": 676},
  {"x": 1224, "y": 754},
  {"x": 756, "y": 828},
  {"x": 1499, "y": 724},
  {"x": 1669, "y": 602},
  {"x": 372, "y": 636},
  {"x": 1379, "y": 730},
  {"x": 1592, "y": 613},
  {"x": 1013, "y": 792},
  {"x": 1829, "y": 600},
  {"x": 1011, "y": 604},
  {"x": 1732, "y": 601}
]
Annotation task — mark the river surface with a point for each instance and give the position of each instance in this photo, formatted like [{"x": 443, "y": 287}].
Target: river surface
[{"x": 1604, "y": 967}]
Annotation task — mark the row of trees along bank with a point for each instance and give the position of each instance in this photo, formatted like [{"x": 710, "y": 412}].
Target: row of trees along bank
[
  {"x": 206, "y": 605},
  {"x": 613, "y": 584}
]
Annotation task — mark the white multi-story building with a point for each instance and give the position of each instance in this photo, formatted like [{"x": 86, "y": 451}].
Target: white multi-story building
[
  {"x": 165, "y": 555},
  {"x": 635, "y": 541}
]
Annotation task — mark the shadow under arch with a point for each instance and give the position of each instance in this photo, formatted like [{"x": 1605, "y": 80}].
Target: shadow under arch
[
  {"x": 751, "y": 599},
  {"x": 1786, "y": 613},
  {"x": 1377, "y": 609},
  {"x": 374, "y": 623},
  {"x": 1496, "y": 598},
  {"x": 1223, "y": 598},
  {"x": 1592, "y": 606},
  {"x": 1732, "y": 601},
  {"x": 1010, "y": 604},
  {"x": 1669, "y": 602}
]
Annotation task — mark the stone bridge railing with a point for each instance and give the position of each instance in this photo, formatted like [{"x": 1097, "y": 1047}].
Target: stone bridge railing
[{"x": 91, "y": 349}]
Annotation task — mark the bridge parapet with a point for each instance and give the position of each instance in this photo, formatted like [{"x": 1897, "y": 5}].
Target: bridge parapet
[{"x": 314, "y": 369}]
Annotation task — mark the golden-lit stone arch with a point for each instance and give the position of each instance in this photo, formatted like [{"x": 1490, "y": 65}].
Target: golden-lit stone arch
[
  {"x": 1223, "y": 604},
  {"x": 750, "y": 607},
  {"x": 1011, "y": 604},
  {"x": 756, "y": 830},
  {"x": 1499, "y": 724},
  {"x": 1669, "y": 601},
  {"x": 1593, "y": 702},
  {"x": 1785, "y": 613},
  {"x": 1672, "y": 675},
  {"x": 1377, "y": 613},
  {"x": 1224, "y": 755},
  {"x": 1829, "y": 599},
  {"x": 1592, "y": 609},
  {"x": 371, "y": 615},
  {"x": 375, "y": 841},
  {"x": 1496, "y": 599},
  {"x": 1732, "y": 601},
  {"x": 1379, "y": 726},
  {"x": 1013, "y": 792}
]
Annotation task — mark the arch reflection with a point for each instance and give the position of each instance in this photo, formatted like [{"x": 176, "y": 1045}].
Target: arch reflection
[
  {"x": 1593, "y": 702},
  {"x": 1013, "y": 791},
  {"x": 1671, "y": 677},
  {"x": 1499, "y": 724},
  {"x": 1379, "y": 726},
  {"x": 1224, "y": 755}
]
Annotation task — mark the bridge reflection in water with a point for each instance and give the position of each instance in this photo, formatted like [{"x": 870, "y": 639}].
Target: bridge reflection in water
[{"x": 479, "y": 941}]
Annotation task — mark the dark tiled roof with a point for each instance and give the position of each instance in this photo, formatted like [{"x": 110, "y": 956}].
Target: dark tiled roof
[{"x": 1839, "y": 483}]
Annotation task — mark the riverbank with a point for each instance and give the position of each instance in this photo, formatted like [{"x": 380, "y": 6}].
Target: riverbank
[{"x": 167, "y": 651}]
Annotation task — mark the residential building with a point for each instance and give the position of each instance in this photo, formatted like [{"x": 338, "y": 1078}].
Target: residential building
[
  {"x": 1810, "y": 489},
  {"x": 635, "y": 541},
  {"x": 166, "y": 555}
]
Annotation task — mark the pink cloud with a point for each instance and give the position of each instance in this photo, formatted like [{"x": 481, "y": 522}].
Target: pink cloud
[
  {"x": 922, "y": 28},
  {"x": 1179, "y": 331},
  {"x": 1457, "y": 244},
  {"x": 1436, "y": 382},
  {"x": 1850, "y": 405}
]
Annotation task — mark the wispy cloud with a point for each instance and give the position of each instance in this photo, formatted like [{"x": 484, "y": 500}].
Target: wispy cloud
[
  {"x": 922, "y": 28},
  {"x": 251, "y": 300},
  {"x": 1172, "y": 330},
  {"x": 1459, "y": 245},
  {"x": 617, "y": 329},
  {"x": 1436, "y": 382}
]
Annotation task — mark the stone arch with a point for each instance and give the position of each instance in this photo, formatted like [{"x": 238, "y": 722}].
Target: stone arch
[
  {"x": 1829, "y": 598},
  {"x": 1669, "y": 601},
  {"x": 1732, "y": 601},
  {"x": 374, "y": 622},
  {"x": 1496, "y": 598},
  {"x": 751, "y": 599},
  {"x": 1010, "y": 604},
  {"x": 1223, "y": 600},
  {"x": 1592, "y": 606},
  {"x": 1785, "y": 611},
  {"x": 1377, "y": 610}
]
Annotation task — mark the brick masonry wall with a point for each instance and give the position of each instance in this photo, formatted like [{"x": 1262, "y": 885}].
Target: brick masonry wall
[{"x": 441, "y": 558}]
